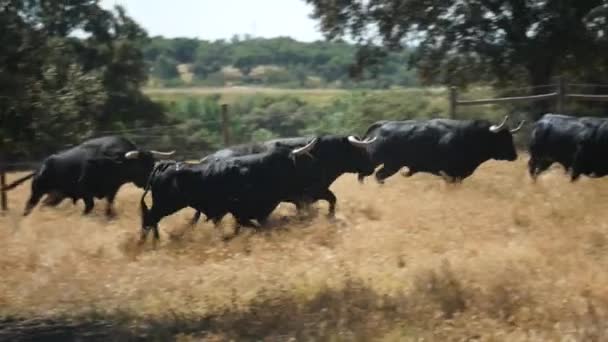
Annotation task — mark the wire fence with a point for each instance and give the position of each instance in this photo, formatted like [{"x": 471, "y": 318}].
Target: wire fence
[{"x": 560, "y": 92}]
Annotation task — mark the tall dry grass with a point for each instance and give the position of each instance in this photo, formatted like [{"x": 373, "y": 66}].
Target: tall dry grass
[{"x": 497, "y": 258}]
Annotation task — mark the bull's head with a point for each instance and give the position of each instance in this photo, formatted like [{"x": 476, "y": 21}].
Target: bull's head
[
  {"x": 339, "y": 153},
  {"x": 141, "y": 164},
  {"x": 503, "y": 146}
]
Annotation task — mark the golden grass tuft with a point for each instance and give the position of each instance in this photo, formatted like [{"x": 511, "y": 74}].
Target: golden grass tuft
[{"x": 497, "y": 258}]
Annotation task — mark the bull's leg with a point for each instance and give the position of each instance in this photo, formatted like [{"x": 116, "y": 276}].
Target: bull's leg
[
  {"x": 329, "y": 196},
  {"x": 303, "y": 206},
  {"x": 110, "y": 213},
  {"x": 532, "y": 168},
  {"x": 575, "y": 173},
  {"x": 538, "y": 166},
  {"x": 196, "y": 217},
  {"x": 386, "y": 171},
  {"x": 53, "y": 199},
  {"x": 88, "y": 204},
  {"x": 151, "y": 217},
  {"x": 38, "y": 190},
  {"x": 32, "y": 201}
]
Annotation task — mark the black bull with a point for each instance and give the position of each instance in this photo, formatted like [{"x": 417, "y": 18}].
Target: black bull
[
  {"x": 251, "y": 186},
  {"x": 452, "y": 149},
  {"x": 334, "y": 156},
  {"x": 97, "y": 168},
  {"x": 578, "y": 144}
]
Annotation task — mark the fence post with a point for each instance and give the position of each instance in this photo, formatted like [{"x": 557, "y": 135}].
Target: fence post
[
  {"x": 453, "y": 102},
  {"x": 561, "y": 95},
  {"x": 225, "y": 124},
  {"x": 3, "y": 197}
]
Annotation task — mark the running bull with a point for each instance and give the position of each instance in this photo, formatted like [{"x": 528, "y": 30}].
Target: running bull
[
  {"x": 97, "y": 168},
  {"x": 452, "y": 149},
  {"x": 333, "y": 156},
  {"x": 579, "y": 144},
  {"x": 251, "y": 186}
]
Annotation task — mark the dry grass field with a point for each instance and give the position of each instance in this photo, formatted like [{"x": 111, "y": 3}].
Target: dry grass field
[{"x": 497, "y": 258}]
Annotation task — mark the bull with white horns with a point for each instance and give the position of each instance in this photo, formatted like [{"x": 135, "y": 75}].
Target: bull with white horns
[{"x": 97, "y": 168}]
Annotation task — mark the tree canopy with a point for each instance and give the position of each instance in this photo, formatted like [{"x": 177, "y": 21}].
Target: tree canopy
[
  {"x": 276, "y": 62},
  {"x": 459, "y": 42},
  {"x": 68, "y": 69}
]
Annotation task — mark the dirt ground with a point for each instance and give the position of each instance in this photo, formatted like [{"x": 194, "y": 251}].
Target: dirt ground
[{"x": 496, "y": 258}]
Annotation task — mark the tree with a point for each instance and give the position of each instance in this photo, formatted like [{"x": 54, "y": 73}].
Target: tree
[
  {"x": 165, "y": 68},
  {"x": 57, "y": 88},
  {"x": 210, "y": 58},
  {"x": 185, "y": 49},
  {"x": 460, "y": 42}
]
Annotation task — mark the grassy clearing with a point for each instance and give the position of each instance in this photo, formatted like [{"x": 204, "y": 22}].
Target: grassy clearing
[
  {"x": 495, "y": 259},
  {"x": 315, "y": 96},
  {"x": 231, "y": 94}
]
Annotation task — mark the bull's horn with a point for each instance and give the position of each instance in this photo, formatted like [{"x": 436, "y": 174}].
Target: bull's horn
[
  {"x": 356, "y": 142},
  {"x": 305, "y": 149},
  {"x": 498, "y": 128},
  {"x": 132, "y": 155},
  {"x": 161, "y": 154},
  {"x": 516, "y": 129}
]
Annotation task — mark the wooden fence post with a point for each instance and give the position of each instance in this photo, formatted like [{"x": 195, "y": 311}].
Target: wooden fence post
[
  {"x": 3, "y": 197},
  {"x": 453, "y": 102},
  {"x": 561, "y": 95},
  {"x": 225, "y": 124}
]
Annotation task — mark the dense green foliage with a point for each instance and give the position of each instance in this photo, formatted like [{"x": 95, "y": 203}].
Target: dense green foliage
[
  {"x": 498, "y": 41},
  {"x": 277, "y": 62},
  {"x": 68, "y": 70}
]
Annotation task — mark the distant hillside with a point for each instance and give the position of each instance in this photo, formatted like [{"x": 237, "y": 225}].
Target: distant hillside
[{"x": 279, "y": 62}]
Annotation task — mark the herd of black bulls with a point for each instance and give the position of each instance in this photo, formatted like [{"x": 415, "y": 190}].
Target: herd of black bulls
[{"x": 249, "y": 181}]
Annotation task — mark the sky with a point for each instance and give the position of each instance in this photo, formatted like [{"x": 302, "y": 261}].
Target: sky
[{"x": 221, "y": 19}]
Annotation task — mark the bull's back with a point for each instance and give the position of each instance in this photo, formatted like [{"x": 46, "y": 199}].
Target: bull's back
[
  {"x": 409, "y": 141},
  {"x": 557, "y": 137}
]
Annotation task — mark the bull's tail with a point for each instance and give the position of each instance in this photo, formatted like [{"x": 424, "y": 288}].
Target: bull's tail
[
  {"x": 19, "y": 181},
  {"x": 142, "y": 202},
  {"x": 159, "y": 167}
]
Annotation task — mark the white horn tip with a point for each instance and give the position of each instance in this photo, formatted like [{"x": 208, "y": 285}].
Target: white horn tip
[{"x": 132, "y": 154}]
